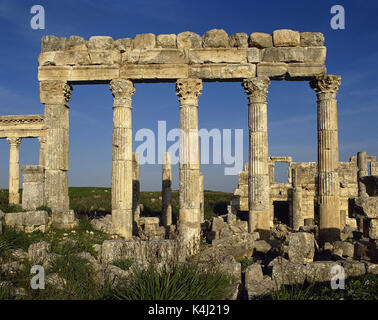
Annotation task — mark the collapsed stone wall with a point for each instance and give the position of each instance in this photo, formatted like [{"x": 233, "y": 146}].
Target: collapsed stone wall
[
  {"x": 215, "y": 55},
  {"x": 304, "y": 174}
]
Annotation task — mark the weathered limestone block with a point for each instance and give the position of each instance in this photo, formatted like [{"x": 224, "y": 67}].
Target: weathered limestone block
[
  {"x": 232, "y": 268},
  {"x": 260, "y": 40},
  {"x": 259, "y": 288},
  {"x": 215, "y": 38},
  {"x": 368, "y": 206},
  {"x": 262, "y": 246},
  {"x": 187, "y": 39},
  {"x": 301, "y": 247},
  {"x": 238, "y": 246},
  {"x": 38, "y": 252},
  {"x": 66, "y": 220},
  {"x": 353, "y": 268},
  {"x": 100, "y": 43},
  {"x": 312, "y": 39},
  {"x": 144, "y": 41},
  {"x": 47, "y": 58},
  {"x": 373, "y": 229},
  {"x": 239, "y": 40},
  {"x": 286, "y": 38},
  {"x": 53, "y": 43},
  {"x": 33, "y": 187},
  {"x": 103, "y": 224},
  {"x": 283, "y": 54},
  {"x": 253, "y": 273},
  {"x": 315, "y": 54},
  {"x": 371, "y": 268},
  {"x": 230, "y": 55},
  {"x": 253, "y": 55},
  {"x": 142, "y": 251},
  {"x": 166, "y": 41},
  {"x": 222, "y": 71},
  {"x": 102, "y": 57},
  {"x": 156, "y": 71},
  {"x": 76, "y": 43},
  {"x": 122, "y": 45},
  {"x": 285, "y": 272},
  {"x": 320, "y": 271},
  {"x": 28, "y": 221},
  {"x": 155, "y": 56},
  {"x": 305, "y": 70},
  {"x": 371, "y": 184},
  {"x": 149, "y": 229},
  {"x": 343, "y": 249},
  {"x": 272, "y": 70}
]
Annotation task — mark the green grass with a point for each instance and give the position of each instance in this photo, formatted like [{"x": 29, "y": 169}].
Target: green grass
[
  {"x": 245, "y": 262},
  {"x": 177, "y": 282},
  {"x": 124, "y": 264}
]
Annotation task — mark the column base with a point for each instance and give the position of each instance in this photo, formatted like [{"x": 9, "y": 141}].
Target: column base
[
  {"x": 189, "y": 235},
  {"x": 123, "y": 222},
  {"x": 329, "y": 226},
  {"x": 259, "y": 220}
]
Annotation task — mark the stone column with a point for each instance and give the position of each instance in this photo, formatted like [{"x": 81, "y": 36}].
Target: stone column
[
  {"x": 202, "y": 199},
  {"x": 55, "y": 95},
  {"x": 362, "y": 165},
  {"x": 298, "y": 220},
  {"x": 14, "y": 170},
  {"x": 166, "y": 190},
  {"x": 188, "y": 91},
  {"x": 258, "y": 172},
  {"x": 122, "y": 166},
  {"x": 42, "y": 150},
  {"x": 136, "y": 186},
  {"x": 326, "y": 87}
]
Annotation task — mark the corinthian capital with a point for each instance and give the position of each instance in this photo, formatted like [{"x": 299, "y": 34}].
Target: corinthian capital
[
  {"x": 14, "y": 141},
  {"x": 256, "y": 87},
  {"x": 55, "y": 91},
  {"x": 188, "y": 89},
  {"x": 326, "y": 83},
  {"x": 122, "y": 91}
]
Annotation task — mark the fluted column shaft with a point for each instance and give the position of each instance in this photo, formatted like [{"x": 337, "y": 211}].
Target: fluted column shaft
[
  {"x": 326, "y": 87},
  {"x": 188, "y": 91},
  {"x": 42, "y": 150},
  {"x": 14, "y": 170},
  {"x": 55, "y": 95},
  {"x": 136, "y": 186},
  {"x": 258, "y": 172},
  {"x": 122, "y": 162},
  {"x": 362, "y": 165},
  {"x": 167, "y": 190}
]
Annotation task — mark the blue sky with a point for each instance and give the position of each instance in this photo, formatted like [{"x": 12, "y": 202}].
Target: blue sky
[{"x": 351, "y": 53}]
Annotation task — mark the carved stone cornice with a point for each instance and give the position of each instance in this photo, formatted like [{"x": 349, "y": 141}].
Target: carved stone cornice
[
  {"x": 122, "y": 91},
  {"x": 256, "y": 88},
  {"x": 188, "y": 90},
  {"x": 326, "y": 83},
  {"x": 14, "y": 141},
  {"x": 55, "y": 91}
]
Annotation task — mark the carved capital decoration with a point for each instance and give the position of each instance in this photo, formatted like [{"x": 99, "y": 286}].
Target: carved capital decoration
[
  {"x": 122, "y": 91},
  {"x": 256, "y": 87},
  {"x": 188, "y": 90},
  {"x": 55, "y": 91},
  {"x": 14, "y": 141},
  {"x": 326, "y": 83}
]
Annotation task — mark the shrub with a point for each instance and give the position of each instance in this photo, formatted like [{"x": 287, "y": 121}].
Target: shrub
[{"x": 176, "y": 282}]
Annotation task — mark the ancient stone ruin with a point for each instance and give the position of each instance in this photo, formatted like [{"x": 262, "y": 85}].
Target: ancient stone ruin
[{"x": 337, "y": 191}]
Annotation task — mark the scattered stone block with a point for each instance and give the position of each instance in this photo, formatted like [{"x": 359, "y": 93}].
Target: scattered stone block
[
  {"x": 373, "y": 228},
  {"x": 253, "y": 273},
  {"x": 285, "y": 272},
  {"x": 100, "y": 43},
  {"x": 343, "y": 249},
  {"x": 301, "y": 247},
  {"x": 259, "y": 288}
]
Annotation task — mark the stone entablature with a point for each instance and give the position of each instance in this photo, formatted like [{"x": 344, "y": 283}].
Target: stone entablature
[
  {"x": 23, "y": 126},
  {"x": 285, "y": 54}
]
